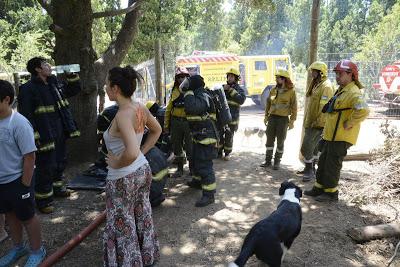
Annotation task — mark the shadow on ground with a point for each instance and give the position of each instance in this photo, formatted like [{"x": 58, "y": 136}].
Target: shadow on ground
[{"x": 212, "y": 236}]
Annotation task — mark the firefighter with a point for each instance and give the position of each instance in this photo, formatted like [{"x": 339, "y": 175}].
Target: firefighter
[
  {"x": 177, "y": 125},
  {"x": 157, "y": 111},
  {"x": 42, "y": 100},
  {"x": 280, "y": 115},
  {"x": 318, "y": 93},
  {"x": 344, "y": 113},
  {"x": 200, "y": 113},
  {"x": 235, "y": 96}
]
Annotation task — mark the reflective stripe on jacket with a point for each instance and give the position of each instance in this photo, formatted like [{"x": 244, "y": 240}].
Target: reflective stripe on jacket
[
  {"x": 44, "y": 103},
  {"x": 282, "y": 102},
  {"x": 200, "y": 113},
  {"x": 235, "y": 97},
  {"x": 171, "y": 110}
]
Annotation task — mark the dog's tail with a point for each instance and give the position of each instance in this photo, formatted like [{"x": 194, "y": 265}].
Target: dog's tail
[{"x": 246, "y": 252}]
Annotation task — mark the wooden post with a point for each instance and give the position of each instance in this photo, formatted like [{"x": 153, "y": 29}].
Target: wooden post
[
  {"x": 159, "y": 76},
  {"x": 312, "y": 53},
  {"x": 17, "y": 82}
]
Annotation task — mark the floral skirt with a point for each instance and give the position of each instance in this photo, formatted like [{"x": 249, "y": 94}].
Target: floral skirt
[{"x": 129, "y": 235}]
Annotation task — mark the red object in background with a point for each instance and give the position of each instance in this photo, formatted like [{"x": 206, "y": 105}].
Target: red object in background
[{"x": 389, "y": 73}]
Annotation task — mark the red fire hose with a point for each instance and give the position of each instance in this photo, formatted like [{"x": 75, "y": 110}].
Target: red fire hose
[{"x": 61, "y": 252}]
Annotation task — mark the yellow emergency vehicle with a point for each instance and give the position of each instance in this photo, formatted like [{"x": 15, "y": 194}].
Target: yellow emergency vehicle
[
  {"x": 210, "y": 65},
  {"x": 258, "y": 74}
]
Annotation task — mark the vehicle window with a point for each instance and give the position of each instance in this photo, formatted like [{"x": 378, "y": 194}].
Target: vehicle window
[
  {"x": 281, "y": 64},
  {"x": 260, "y": 65}
]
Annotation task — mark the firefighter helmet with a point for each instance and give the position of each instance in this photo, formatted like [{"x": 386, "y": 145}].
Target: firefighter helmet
[
  {"x": 348, "y": 66},
  {"x": 149, "y": 104},
  {"x": 283, "y": 73},
  {"x": 181, "y": 71},
  {"x": 233, "y": 71},
  {"x": 321, "y": 66}
]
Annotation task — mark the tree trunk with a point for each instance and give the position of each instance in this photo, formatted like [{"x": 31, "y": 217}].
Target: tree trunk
[
  {"x": 73, "y": 31},
  {"x": 74, "y": 45}
]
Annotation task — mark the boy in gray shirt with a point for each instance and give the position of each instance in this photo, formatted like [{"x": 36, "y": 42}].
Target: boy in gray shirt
[{"x": 17, "y": 161}]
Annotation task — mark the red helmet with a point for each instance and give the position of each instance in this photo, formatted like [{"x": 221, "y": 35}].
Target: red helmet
[
  {"x": 347, "y": 66},
  {"x": 181, "y": 71}
]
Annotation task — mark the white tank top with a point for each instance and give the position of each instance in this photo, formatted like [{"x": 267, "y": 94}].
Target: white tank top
[{"x": 116, "y": 146}]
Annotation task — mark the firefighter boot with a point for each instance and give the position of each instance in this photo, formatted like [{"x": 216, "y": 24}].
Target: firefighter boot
[
  {"x": 308, "y": 172},
  {"x": 62, "y": 192},
  {"x": 267, "y": 162},
  {"x": 328, "y": 197},
  {"x": 194, "y": 184},
  {"x": 205, "y": 200},
  {"x": 314, "y": 192},
  {"x": 277, "y": 161},
  {"x": 46, "y": 208},
  {"x": 60, "y": 189},
  {"x": 179, "y": 171}
]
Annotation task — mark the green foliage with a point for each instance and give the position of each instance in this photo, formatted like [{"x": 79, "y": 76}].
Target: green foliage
[
  {"x": 367, "y": 28},
  {"x": 384, "y": 42},
  {"x": 344, "y": 24},
  {"x": 24, "y": 35},
  {"x": 296, "y": 33}
]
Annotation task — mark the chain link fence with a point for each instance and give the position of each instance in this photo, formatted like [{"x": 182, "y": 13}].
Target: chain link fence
[{"x": 382, "y": 104}]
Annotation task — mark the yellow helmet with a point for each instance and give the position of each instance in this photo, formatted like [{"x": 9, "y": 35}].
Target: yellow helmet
[
  {"x": 319, "y": 65},
  {"x": 233, "y": 71},
  {"x": 283, "y": 73},
  {"x": 149, "y": 104}
]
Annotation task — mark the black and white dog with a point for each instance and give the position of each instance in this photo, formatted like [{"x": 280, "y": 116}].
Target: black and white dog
[{"x": 271, "y": 237}]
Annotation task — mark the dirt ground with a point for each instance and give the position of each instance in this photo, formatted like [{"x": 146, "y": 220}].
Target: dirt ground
[{"x": 212, "y": 236}]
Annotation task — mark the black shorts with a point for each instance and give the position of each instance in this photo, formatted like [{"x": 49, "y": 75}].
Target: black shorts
[{"x": 16, "y": 197}]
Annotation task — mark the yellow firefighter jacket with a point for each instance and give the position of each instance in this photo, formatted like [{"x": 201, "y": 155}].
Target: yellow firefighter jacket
[
  {"x": 173, "y": 109},
  {"x": 318, "y": 95},
  {"x": 356, "y": 110},
  {"x": 282, "y": 102}
]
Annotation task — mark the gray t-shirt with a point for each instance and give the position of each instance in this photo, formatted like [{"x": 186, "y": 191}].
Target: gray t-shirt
[{"x": 16, "y": 140}]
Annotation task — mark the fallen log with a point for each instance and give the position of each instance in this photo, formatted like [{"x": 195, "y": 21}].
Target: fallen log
[
  {"x": 358, "y": 157},
  {"x": 362, "y": 234}
]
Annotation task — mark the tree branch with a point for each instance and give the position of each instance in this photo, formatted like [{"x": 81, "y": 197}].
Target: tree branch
[
  {"x": 118, "y": 49},
  {"x": 117, "y": 12},
  {"x": 46, "y": 6}
]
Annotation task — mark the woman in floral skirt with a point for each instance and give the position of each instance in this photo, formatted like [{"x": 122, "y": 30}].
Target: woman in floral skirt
[{"x": 129, "y": 236}]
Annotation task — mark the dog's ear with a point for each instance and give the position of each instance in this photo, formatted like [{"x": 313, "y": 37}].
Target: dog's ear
[{"x": 283, "y": 187}]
